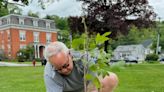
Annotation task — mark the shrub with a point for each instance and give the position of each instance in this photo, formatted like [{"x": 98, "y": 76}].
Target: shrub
[
  {"x": 152, "y": 57},
  {"x": 37, "y": 59},
  {"x": 25, "y": 54}
]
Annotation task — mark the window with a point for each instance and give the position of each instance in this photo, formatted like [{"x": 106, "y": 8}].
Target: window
[
  {"x": 47, "y": 24},
  {"x": 22, "y": 46},
  {"x": 22, "y": 35},
  {"x": 9, "y": 53},
  {"x": 9, "y": 47},
  {"x": 36, "y": 36},
  {"x": 3, "y": 47},
  {"x": 21, "y": 21},
  {"x": 8, "y": 35},
  {"x": 35, "y": 23},
  {"x": 2, "y": 37},
  {"x": 48, "y": 37},
  {"x": 9, "y": 50}
]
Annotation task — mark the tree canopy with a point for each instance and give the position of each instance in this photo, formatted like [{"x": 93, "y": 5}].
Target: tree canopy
[
  {"x": 62, "y": 26},
  {"x": 115, "y": 16},
  {"x": 3, "y": 8},
  {"x": 135, "y": 36},
  {"x": 32, "y": 14}
]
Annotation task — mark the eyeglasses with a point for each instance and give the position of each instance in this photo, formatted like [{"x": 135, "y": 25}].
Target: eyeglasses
[{"x": 64, "y": 66}]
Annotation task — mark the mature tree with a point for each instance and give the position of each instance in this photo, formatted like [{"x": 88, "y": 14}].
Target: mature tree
[
  {"x": 61, "y": 24},
  {"x": 160, "y": 28},
  {"x": 3, "y": 8},
  {"x": 42, "y": 3},
  {"x": 113, "y": 15},
  {"x": 4, "y": 4},
  {"x": 14, "y": 9},
  {"x": 76, "y": 25},
  {"x": 116, "y": 15},
  {"x": 32, "y": 14},
  {"x": 135, "y": 36}
]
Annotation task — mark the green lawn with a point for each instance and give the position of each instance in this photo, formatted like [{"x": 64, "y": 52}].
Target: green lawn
[
  {"x": 135, "y": 78},
  {"x": 141, "y": 78},
  {"x": 21, "y": 79}
]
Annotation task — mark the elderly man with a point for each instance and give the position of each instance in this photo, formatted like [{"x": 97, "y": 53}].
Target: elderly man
[{"x": 63, "y": 74}]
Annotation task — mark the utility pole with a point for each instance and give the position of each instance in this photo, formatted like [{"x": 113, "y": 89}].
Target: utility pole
[{"x": 158, "y": 36}]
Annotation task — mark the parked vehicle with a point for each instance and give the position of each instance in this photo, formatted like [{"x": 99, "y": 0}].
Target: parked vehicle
[
  {"x": 162, "y": 59},
  {"x": 2, "y": 58},
  {"x": 113, "y": 60},
  {"x": 131, "y": 59}
]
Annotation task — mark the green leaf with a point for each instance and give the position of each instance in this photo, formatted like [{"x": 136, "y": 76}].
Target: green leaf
[
  {"x": 92, "y": 46},
  {"x": 78, "y": 43},
  {"x": 100, "y": 39},
  {"x": 105, "y": 73},
  {"x": 96, "y": 82},
  {"x": 101, "y": 64},
  {"x": 106, "y": 34},
  {"x": 89, "y": 77},
  {"x": 93, "y": 67}
]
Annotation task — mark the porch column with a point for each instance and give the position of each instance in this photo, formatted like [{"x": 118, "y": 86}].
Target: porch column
[
  {"x": 38, "y": 51},
  {"x": 35, "y": 50},
  {"x": 8, "y": 20}
]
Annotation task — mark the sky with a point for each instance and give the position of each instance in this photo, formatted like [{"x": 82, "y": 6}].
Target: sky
[
  {"x": 158, "y": 6},
  {"x": 65, "y": 8},
  {"x": 62, "y": 8}
]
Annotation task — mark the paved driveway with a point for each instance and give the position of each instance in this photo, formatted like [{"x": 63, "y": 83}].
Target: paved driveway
[{"x": 13, "y": 64}]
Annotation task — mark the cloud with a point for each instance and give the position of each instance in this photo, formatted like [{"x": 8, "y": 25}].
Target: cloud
[
  {"x": 65, "y": 8},
  {"x": 61, "y": 8},
  {"x": 158, "y": 7}
]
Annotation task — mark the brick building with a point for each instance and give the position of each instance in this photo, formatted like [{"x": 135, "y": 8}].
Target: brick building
[{"x": 18, "y": 31}]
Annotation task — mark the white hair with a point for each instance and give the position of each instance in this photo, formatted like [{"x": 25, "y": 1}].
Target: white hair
[{"x": 55, "y": 48}]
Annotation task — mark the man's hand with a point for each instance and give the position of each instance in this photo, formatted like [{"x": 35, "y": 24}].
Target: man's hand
[
  {"x": 109, "y": 83},
  {"x": 91, "y": 88}
]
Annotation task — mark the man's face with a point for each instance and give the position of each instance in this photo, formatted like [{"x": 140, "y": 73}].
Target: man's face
[{"x": 62, "y": 63}]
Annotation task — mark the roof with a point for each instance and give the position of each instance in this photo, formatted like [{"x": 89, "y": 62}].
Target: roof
[
  {"x": 26, "y": 16},
  {"x": 147, "y": 43},
  {"x": 128, "y": 47},
  {"x": 144, "y": 44}
]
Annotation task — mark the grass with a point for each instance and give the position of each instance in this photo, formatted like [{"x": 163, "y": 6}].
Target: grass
[
  {"x": 133, "y": 78},
  {"x": 21, "y": 79},
  {"x": 141, "y": 78}
]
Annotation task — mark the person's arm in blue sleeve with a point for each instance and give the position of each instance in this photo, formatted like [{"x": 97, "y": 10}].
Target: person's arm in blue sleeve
[{"x": 51, "y": 85}]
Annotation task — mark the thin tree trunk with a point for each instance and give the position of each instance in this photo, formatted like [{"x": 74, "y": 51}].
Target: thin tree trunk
[
  {"x": 106, "y": 46},
  {"x": 86, "y": 50}
]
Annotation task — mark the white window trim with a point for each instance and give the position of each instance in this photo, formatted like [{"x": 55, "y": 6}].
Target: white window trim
[
  {"x": 36, "y": 36},
  {"x": 22, "y": 35},
  {"x": 48, "y": 37}
]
